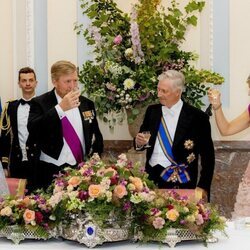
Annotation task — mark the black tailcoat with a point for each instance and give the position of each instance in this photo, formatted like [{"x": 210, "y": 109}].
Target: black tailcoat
[
  {"x": 11, "y": 154},
  {"x": 193, "y": 124},
  {"x": 45, "y": 124}
]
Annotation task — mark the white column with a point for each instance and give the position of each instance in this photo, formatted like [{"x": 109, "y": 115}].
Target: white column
[{"x": 62, "y": 39}]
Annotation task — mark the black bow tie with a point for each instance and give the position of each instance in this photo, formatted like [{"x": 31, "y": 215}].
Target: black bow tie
[{"x": 22, "y": 101}]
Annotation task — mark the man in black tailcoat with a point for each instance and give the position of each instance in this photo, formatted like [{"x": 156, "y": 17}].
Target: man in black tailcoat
[
  {"x": 18, "y": 148},
  {"x": 64, "y": 124},
  {"x": 180, "y": 139}
]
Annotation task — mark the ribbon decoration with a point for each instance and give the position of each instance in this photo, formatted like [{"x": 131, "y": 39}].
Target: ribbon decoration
[{"x": 175, "y": 172}]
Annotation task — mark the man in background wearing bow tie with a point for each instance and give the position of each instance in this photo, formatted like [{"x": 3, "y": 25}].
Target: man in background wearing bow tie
[
  {"x": 64, "y": 124},
  {"x": 18, "y": 148},
  {"x": 180, "y": 136}
]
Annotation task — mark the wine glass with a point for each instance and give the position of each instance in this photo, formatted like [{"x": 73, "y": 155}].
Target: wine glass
[
  {"x": 213, "y": 93},
  {"x": 147, "y": 136}
]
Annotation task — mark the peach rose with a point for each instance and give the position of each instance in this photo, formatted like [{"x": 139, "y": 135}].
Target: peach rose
[
  {"x": 29, "y": 216},
  {"x": 26, "y": 201},
  {"x": 110, "y": 170},
  {"x": 74, "y": 181},
  {"x": 172, "y": 215},
  {"x": 94, "y": 191},
  {"x": 137, "y": 183},
  {"x": 120, "y": 191},
  {"x": 7, "y": 211}
]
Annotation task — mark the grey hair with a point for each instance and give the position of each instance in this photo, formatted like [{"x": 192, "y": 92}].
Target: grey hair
[{"x": 176, "y": 77}]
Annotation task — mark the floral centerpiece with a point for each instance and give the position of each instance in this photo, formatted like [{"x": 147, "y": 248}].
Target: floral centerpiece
[
  {"x": 31, "y": 212},
  {"x": 102, "y": 190},
  {"x": 104, "y": 195},
  {"x": 132, "y": 50},
  {"x": 170, "y": 210}
]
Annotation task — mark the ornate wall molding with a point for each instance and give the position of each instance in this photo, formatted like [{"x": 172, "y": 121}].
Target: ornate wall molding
[{"x": 30, "y": 33}]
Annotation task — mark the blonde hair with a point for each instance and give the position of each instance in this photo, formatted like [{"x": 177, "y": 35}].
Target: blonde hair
[
  {"x": 62, "y": 68},
  {"x": 176, "y": 77}
]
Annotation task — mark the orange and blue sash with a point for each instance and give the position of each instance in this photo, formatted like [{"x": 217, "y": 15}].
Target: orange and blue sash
[{"x": 175, "y": 172}]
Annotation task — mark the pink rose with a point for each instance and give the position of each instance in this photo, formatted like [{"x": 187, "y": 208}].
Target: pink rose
[
  {"x": 158, "y": 223},
  {"x": 199, "y": 220},
  {"x": 118, "y": 40}
]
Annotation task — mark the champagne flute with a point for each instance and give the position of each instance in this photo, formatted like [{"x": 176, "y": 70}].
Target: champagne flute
[
  {"x": 77, "y": 90},
  {"x": 147, "y": 136}
]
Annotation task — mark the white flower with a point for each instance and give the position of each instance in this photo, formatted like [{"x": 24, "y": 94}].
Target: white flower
[
  {"x": 57, "y": 189},
  {"x": 52, "y": 217},
  {"x": 33, "y": 223},
  {"x": 70, "y": 188},
  {"x": 122, "y": 160},
  {"x": 128, "y": 84},
  {"x": 7, "y": 211},
  {"x": 109, "y": 196},
  {"x": 129, "y": 52},
  {"x": 135, "y": 198},
  {"x": 105, "y": 183},
  {"x": 72, "y": 194},
  {"x": 55, "y": 199}
]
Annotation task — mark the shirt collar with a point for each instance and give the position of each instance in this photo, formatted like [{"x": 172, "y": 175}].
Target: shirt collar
[
  {"x": 59, "y": 98},
  {"x": 175, "y": 109},
  {"x": 28, "y": 99}
]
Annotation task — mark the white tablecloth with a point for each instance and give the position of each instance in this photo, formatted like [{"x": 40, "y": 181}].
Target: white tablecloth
[{"x": 238, "y": 240}]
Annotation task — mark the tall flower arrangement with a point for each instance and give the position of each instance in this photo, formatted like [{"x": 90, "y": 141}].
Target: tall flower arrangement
[{"x": 131, "y": 50}]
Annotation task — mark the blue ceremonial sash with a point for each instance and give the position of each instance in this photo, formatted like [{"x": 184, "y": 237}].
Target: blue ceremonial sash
[{"x": 175, "y": 172}]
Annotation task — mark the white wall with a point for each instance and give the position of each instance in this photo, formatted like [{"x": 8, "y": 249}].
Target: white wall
[
  {"x": 6, "y": 51},
  {"x": 62, "y": 44}
]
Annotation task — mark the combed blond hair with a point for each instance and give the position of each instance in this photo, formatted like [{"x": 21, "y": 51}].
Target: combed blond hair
[{"x": 62, "y": 68}]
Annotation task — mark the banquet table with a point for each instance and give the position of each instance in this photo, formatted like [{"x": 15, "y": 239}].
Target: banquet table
[{"x": 238, "y": 239}]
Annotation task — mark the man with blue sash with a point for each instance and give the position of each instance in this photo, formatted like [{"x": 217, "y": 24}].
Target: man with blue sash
[{"x": 180, "y": 139}]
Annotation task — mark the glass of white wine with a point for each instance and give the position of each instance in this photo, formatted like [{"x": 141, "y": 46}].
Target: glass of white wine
[
  {"x": 214, "y": 93},
  {"x": 147, "y": 136}
]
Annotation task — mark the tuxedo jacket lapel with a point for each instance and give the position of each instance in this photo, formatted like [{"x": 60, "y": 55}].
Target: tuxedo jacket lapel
[
  {"x": 183, "y": 124},
  {"x": 13, "y": 115},
  {"x": 155, "y": 124},
  {"x": 52, "y": 101}
]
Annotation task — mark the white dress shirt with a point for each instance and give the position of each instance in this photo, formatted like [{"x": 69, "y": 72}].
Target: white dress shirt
[
  {"x": 171, "y": 117},
  {"x": 66, "y": 155},
  {"x": 22, "y": 121}
]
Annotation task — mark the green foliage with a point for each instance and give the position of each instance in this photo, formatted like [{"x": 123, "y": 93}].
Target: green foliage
[{"x": 132, "y": 50}]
